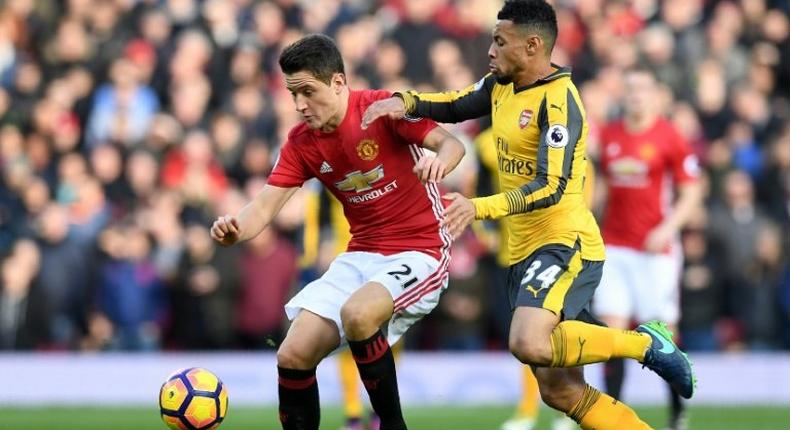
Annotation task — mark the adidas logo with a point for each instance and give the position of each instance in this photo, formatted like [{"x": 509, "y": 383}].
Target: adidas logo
[{"x": 325, "y": 167}]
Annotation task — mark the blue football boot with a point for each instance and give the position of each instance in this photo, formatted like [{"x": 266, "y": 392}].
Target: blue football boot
[{"x": 667, "y": 360}]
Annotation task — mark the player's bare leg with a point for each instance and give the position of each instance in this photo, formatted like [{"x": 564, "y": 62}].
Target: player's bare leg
[
  {"x": 366, "y": 310},
  {"x": 530, "y": 335},
  {"x": 362, "y": 315},
  {"x": 309, "y": 339}
]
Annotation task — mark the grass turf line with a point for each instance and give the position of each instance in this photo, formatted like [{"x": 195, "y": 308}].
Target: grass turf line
[{"x": 434, "y": 418}]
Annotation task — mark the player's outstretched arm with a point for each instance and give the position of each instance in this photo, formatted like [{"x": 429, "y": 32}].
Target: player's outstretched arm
[
  {"x": 393, "y": 108},
  {"x": 471, "y": 102},
  {"x": 253, "y": 217},
  {"x": 449, "y": 151}
]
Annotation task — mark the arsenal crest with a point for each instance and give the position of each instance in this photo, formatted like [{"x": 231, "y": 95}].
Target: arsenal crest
[
  {"x": 367, "y": 149},
  {"x": 523, "y": 119}
]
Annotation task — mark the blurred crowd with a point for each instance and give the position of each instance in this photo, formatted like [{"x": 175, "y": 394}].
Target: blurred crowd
[{"x": 126, "y": 126}]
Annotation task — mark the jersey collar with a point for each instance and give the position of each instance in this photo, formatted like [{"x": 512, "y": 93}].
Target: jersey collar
[{"x": 559, "y": 73}]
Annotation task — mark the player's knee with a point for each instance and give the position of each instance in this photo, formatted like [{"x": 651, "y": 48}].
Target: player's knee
[
  {"x": 530, "y": 350},
  {"x": 562, "y": 397},
  {"x": 290, "y": 357},
  {"x": 357, "y": 319}
]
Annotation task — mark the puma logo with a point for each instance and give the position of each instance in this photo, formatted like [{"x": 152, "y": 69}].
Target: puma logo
[
  {"x": 558, "y": 107},
  {"x": 581, "y": 347},
  {"x": 534, "y": 290}
]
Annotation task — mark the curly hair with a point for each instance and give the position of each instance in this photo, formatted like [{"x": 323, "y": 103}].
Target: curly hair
[{"x": 532, "y": 15}]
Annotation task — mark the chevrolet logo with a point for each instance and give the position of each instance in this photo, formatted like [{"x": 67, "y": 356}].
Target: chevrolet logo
[{"x": 358, "y": 181}]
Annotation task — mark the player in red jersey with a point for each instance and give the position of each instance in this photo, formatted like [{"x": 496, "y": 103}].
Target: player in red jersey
[
  {"x": 643, "y": 159},
  {"x": 395, "y": 267}
]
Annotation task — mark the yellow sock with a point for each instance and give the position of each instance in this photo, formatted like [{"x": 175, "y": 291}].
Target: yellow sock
[
  {"x": 574, "y": 343},
  {"x": 597, "y": 411},
  {"x": 528, "y": 405},
  {"x": 349, "y": 381}
]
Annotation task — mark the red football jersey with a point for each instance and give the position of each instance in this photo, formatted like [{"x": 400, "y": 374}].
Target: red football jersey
[
  {"x": 370, "y": 172},
  {"x": 641, "y": 170}
]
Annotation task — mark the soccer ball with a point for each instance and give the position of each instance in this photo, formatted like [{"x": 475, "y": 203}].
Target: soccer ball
[{"x": 193, "y": 399}]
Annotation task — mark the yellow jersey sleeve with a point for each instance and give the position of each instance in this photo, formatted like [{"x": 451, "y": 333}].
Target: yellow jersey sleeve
[
  {"x": 561, "y": 123},
  {"x": 471, "y": 102}
]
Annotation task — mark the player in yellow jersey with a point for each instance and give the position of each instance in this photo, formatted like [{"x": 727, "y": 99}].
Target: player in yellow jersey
[
  {"x": 526, "y": 414},
  {"x": 556, "y": 250}
]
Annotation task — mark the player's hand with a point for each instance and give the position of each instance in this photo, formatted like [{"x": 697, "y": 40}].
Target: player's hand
[
  {"x": 659, "y": 239},
  {"x": 430, "y": 169},
  {"x": 225, "y": 230},
  {"x": 392, "y": 107},
  {"x": 459, "y": 214}
]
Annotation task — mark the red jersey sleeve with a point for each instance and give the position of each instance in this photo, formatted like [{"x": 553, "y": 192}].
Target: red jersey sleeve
[
  {"x": 683, "y": 162},
  {"x": 290, "y": 170},
  {"x": 413, "y": 130}
]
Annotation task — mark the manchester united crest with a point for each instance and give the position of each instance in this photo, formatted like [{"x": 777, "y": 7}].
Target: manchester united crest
[
  {"x": 523, "y": 119},
  {"x": 367, "y": 149}
]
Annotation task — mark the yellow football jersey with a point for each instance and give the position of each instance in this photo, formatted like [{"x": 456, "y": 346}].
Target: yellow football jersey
[{"x": 540, "y": 136}]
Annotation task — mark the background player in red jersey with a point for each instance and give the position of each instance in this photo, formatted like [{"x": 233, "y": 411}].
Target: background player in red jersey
[
  {"x": 395, "y": 267},
  {"x": 643, "y": 160}
]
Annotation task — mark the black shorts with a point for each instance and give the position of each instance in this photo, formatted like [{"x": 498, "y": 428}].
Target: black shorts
[{"x": 555, "y": 277}]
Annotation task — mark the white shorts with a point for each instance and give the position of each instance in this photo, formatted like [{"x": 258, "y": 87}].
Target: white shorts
[
  {"x": 415, "y": 280},
  {"x": 639, "y": 285}
]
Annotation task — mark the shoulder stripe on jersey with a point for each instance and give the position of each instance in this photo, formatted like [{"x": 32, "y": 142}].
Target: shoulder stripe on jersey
[
  {"x": 543, "y": 148},
  {"x": 575, "y": 126},
  {"x": 553, "y": 199},
  {"x": 433, "y": 190},
  {"x": 433, "y": 195},
  {"x": 575, "y": 123}
]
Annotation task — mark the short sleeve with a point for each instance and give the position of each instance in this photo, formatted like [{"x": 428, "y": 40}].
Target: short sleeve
[
  {"x": 413, "y": 130},
  {"x": 290, "y": 170},
  {"x": 683, "y": 162}
]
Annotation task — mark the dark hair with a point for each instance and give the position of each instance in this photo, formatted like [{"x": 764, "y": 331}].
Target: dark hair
[
  {"x": 315, "y": 53},
  {"x": 532, "y": 15}
]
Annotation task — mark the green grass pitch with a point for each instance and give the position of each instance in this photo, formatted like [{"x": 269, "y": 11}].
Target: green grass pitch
[{"x": 435, "y": 418}]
